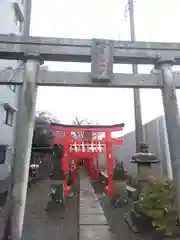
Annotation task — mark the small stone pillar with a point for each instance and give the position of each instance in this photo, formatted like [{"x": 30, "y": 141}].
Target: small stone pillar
[{"x": 144, "y": 160}]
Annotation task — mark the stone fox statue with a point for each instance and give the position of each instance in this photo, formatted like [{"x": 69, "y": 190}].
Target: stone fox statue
[{"x": 119, "y": 183}]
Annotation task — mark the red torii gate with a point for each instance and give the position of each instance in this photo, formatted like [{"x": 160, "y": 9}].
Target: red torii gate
[{"x": 87, "y": 147}]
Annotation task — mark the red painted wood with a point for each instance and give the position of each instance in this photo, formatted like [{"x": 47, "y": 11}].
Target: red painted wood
[
  {"x": 91, "y": 156},
  {"x": 79, "y": 141},
  {"x": 109, "y": 164},
  {"x": 88, "y": 129}
]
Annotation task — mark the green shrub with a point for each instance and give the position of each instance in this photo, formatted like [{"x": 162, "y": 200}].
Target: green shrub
[{"x": 157, "y": 201}]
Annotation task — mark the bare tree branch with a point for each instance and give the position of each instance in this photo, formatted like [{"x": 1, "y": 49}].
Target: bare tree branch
[
  {"x": 48, "y": 116},
  {"x": 76, "y": 121}
]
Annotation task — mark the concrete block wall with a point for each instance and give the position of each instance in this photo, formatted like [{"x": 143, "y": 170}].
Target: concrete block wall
[{"x": 156, "y": 138}]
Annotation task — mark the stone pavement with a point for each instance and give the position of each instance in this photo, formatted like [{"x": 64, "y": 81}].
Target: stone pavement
[
  {"x": 93, "y": 224},
  {"x": 84, "y": 218},
  {"x": 41, "y": 225}
]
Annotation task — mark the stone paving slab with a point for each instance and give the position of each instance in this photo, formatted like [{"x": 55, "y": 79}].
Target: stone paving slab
[
  {"x": 96, "y": 232},
  {"x": 93, "y": 223},
  {"x": 95, "y": 210},
  {"x": 93, "y": 219},
  {"x": 42, "y": 225},
  {"x": 90, "y": 204}
]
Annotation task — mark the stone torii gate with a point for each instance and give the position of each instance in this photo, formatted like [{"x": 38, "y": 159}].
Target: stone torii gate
[{"x": 102, "y": 54}]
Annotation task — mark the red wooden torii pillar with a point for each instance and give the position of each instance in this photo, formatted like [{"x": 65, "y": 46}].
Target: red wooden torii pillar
[{"x": 63, "y": 135}]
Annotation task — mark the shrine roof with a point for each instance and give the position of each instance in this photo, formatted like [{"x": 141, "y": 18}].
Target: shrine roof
[{"x": 121, "y": 125}]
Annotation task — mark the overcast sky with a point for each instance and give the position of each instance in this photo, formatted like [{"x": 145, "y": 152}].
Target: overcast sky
[{"x": 154, "y": 20}]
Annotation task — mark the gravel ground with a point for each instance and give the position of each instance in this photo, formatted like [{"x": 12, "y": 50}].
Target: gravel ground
[
  {"x": 42, "y": 225},
  {"x": 115, "y": 217}
]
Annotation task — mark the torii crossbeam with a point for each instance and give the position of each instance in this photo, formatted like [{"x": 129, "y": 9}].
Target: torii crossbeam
[{"x": 80, "y": 50}]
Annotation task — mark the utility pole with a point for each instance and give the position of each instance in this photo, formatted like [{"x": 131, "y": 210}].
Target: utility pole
[
  {"x": 27, "y": 17},
  {"x": 137, "y": 101}
]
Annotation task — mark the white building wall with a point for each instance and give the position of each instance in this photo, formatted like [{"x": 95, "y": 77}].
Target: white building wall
[{"x": 9, "y": 25}]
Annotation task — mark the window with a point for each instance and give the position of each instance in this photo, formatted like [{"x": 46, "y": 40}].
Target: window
[
  {"x": 9, "y": 117},
  {"x": 9, "y": 114},
  {"x": 2, "y": 154}
]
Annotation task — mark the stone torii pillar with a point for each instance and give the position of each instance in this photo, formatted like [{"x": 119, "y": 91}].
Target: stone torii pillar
[
  {"x": 172, "y": 121},
  {"x": 23, "y": 142}
]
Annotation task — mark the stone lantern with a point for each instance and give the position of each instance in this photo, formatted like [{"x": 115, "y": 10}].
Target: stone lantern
[{"x": 144, "y": 160}]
